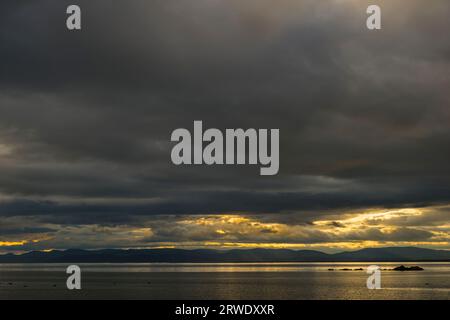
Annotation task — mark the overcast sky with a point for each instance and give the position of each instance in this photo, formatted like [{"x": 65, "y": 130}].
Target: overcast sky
[{"x": 86, "y": 119}]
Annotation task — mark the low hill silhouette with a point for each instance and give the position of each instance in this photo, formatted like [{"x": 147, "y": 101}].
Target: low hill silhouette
[{"x": 390, "y": 254}]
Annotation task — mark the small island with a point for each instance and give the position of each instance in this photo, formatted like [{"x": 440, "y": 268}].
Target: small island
[
  {"x": 403, "y": 268},
  {"x": 400, "y": 268}
]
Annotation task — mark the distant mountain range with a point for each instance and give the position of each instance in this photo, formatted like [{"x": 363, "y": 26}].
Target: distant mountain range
[{"x": 391, "y": 254}]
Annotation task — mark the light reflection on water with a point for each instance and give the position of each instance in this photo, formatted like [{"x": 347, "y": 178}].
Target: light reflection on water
[
  {"x": 224, "y": 267},
  {"x": 223, "y": 281}
]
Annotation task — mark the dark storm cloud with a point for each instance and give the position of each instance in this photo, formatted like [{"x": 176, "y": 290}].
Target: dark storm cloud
[
  {"x": 9, "y": 232},
  {"x": 308, "y": 206},
  {"x": 86, "y": 116}
]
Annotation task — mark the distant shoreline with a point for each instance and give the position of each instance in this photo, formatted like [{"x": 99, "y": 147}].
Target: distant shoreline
[
  {"x": 389, "y": 254},
  {"x": 226, "y": 262}
]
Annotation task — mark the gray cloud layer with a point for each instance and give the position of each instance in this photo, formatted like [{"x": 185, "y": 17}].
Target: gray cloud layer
[{"x": 86, "y": 116}]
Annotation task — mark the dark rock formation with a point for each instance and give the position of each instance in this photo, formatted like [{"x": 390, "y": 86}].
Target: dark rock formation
[{"x": 403, "y": 268}]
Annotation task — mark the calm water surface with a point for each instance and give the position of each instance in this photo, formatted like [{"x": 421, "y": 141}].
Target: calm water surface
[{"x": 224, "y": 281}]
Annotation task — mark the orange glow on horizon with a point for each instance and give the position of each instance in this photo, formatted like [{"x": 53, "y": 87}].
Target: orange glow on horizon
[{"x": 12, "y": 243}]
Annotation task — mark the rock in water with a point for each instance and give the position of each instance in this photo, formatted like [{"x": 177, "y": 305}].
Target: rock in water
[{"x": 413, "y": 268}]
